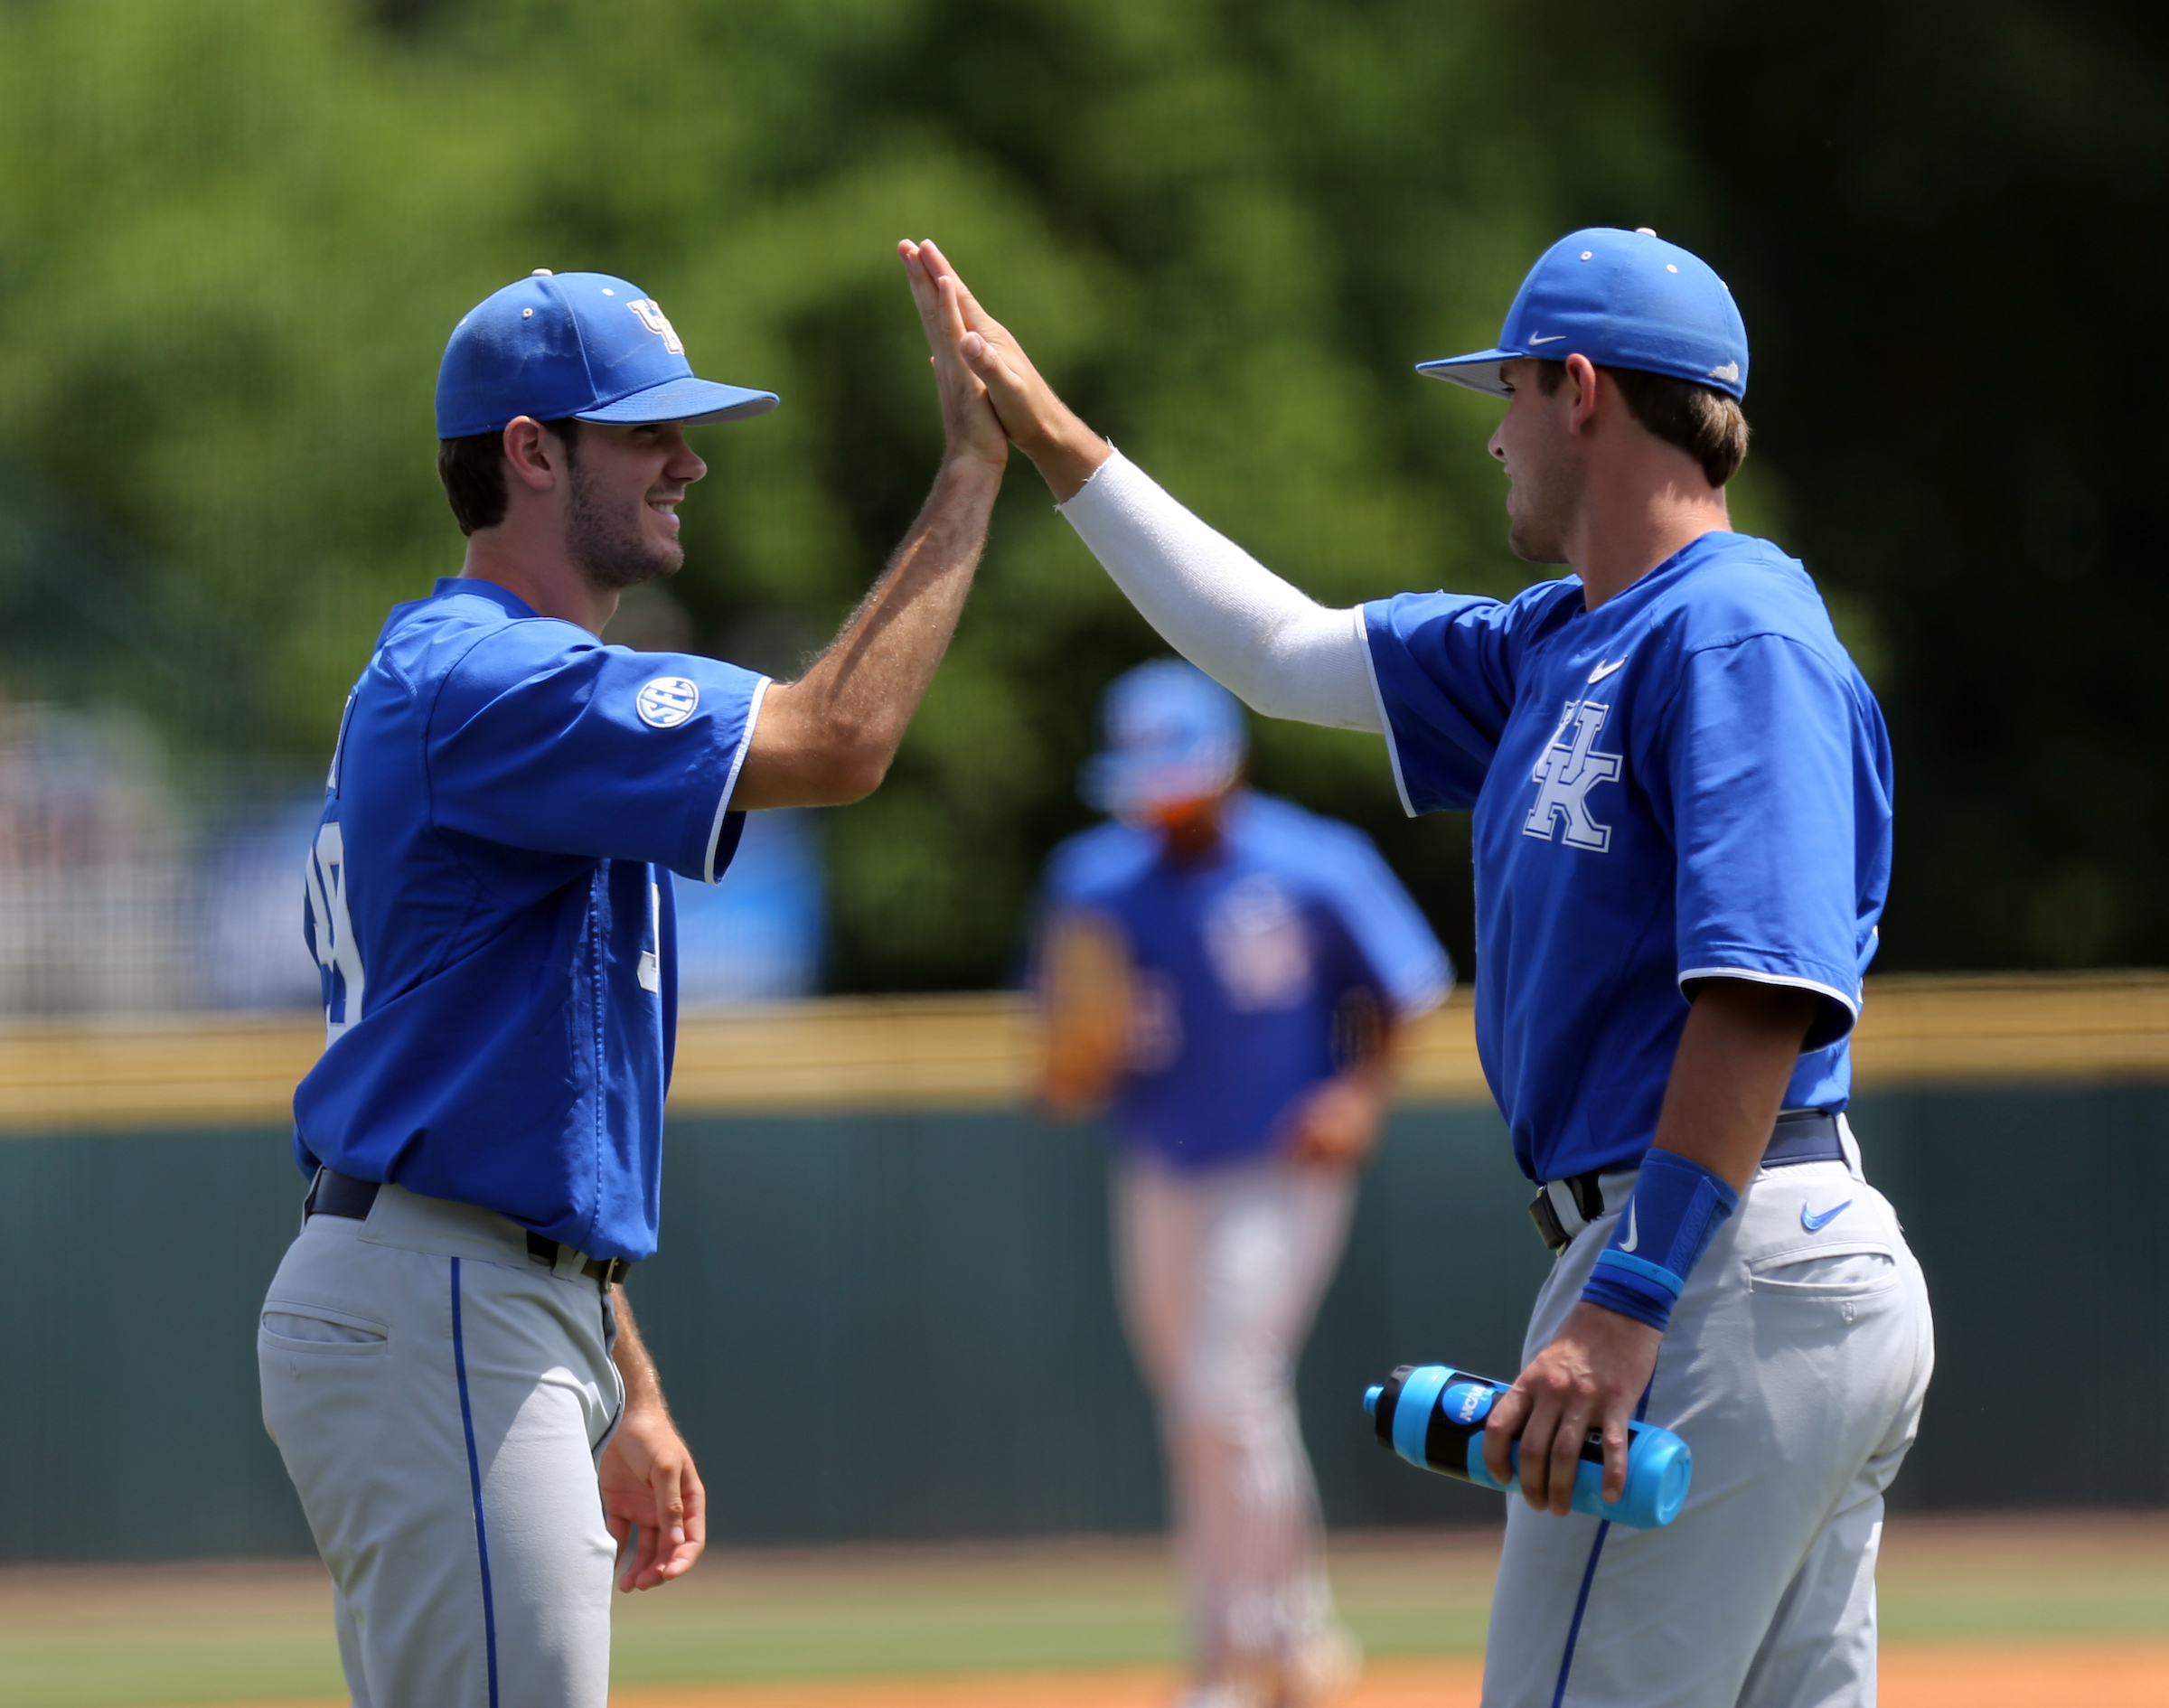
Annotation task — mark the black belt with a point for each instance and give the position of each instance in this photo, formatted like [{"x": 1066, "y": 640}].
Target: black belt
[
  {"x": 335, "y": 1194},
  {"x": 1802, "y": 1135}
]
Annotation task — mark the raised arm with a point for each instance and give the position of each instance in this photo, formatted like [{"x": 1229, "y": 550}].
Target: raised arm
[
  {"x": 828, "y": 738},
  {"x": 1282, "y": 652}
]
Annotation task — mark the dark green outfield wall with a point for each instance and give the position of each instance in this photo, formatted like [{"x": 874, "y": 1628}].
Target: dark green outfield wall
[{"x": 900, "y": 1325}]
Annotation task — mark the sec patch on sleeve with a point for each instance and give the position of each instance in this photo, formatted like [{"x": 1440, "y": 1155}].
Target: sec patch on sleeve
[{"x": 667, "y": 701}]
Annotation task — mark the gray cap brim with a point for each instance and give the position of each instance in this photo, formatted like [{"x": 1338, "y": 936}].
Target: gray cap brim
[
  {"x": 690, "y": 400},
  {"x": 1478, "y": 372}
]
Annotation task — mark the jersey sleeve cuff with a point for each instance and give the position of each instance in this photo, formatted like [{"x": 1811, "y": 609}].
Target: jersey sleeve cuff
[
  {"x": 1385, "y": 721},
  {"x": 1099, "y": 486},
  {"x": 730, "y": 780},
  {"x": 1840, "y": 1010}
]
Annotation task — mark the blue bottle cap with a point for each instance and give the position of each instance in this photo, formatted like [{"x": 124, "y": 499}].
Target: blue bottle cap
[{"x": 1658, "y": 1478}]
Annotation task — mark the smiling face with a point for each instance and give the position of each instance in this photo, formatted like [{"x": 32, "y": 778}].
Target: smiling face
[
  {"x": 621, "y": 515},
  {"x": 1546, "y": 478}
]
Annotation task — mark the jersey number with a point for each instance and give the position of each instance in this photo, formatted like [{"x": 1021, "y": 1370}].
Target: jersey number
[{"x": 333, "y": 932}]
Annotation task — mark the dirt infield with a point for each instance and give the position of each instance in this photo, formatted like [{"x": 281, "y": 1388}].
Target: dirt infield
[{"x": 2100, "y": 1676}]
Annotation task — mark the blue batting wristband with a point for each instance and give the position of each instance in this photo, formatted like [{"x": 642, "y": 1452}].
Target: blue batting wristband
[{"x": 1677, "y": 1206}]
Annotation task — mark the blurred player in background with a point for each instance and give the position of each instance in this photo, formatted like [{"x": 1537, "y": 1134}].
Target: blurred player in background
[
  {"x": 448, "y": 1363},
  {"x": 1682, "y": 812},
  {"x": 1228, "y": 972}
]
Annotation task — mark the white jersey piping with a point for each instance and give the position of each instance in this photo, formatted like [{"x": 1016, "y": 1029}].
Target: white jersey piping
[
  {"x": 730, "y": 782},
  {"x": 1386, "y": 724},
  {"x": 1851, "y": 1004}
]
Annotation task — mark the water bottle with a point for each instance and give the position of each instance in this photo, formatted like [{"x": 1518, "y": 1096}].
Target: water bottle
[{"x": 1432, "y": 1415}]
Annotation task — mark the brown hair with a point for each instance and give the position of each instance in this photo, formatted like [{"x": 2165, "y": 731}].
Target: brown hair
[
  {"x": 1707, "y": 424},
  {"x": 473, "y": 471}
]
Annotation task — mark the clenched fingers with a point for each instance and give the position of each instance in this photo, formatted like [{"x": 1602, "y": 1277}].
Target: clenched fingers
[
  {"x": 1561, "y": 1402},
  {"x": 676, "y": 1533},
  {"x": 1508, "y": 1413},
  {"x": 1566, "y": 1453},
  {"x": 660, "y": 1540},
  {"x": 1616, "y": 1439},
  {"x": 1538, "y": 1438}
]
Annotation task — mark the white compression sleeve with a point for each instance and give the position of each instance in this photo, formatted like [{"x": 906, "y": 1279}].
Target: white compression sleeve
[{"x": 1279, "y": 651}]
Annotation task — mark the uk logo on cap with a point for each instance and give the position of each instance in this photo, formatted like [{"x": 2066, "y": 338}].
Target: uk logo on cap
[
  {"x": 584, "y": 344},
  {"x": 1623, "y": 299}
]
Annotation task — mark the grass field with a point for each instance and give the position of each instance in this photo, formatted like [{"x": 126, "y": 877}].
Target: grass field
[{"x": 1979, "y": 1611}]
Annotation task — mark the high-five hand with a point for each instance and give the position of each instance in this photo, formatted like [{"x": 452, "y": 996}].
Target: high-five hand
[
  {"x": 1040, "y": 424},
  {"x": 969, "y": 423},
  {"x": 830, "y": 737}
]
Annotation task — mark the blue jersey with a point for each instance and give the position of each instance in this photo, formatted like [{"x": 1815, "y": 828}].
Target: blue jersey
[
  {"x": 489, "y": 896},
  {"x": 1244, "y": 961},
  {"x": 1689, "y": 780}
]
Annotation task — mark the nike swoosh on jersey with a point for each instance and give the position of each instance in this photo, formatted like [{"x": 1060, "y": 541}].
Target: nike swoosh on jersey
[
  {"x": 1553, "y": 339},
  {"x": 1604, "y": 669},
  {"x": 1634, "y": 1234},
  {"x": 1816, "y": 1223}
]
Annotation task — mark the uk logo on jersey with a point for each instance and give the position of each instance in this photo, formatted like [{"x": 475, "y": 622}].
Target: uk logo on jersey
[
  {"x": 1569, "y": 768},
  {"x": 667, "y": 701}
]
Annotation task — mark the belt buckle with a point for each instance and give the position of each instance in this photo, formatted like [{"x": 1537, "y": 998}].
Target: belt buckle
[
  {"x": 1549, "y": 1228},
  {"x": 552, "y": 1254}
]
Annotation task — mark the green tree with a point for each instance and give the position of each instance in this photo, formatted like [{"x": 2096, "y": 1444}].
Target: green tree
[{"x": 235, "y": 237}]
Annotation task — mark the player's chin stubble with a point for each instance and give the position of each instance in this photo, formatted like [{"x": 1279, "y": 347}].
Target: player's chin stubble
[
  {"x": 1539, "y": 513},
  {"x": 608, "y": 545},
  {"x": 1531, "y": 539}
]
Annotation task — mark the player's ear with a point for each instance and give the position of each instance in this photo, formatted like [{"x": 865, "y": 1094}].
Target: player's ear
[
  {"x": 535, "y": 457},
  {"x": 1581, "y": 389}
]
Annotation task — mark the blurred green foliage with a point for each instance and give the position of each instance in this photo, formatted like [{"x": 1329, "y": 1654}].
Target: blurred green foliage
[{"x": 233, "y": 238}]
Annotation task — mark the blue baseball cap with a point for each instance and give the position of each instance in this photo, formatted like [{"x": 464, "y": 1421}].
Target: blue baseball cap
[
  {"x": 1624, "y": 299},
  {"x": 1172, "y": 734},
  {"x": 581, "y": 344}
]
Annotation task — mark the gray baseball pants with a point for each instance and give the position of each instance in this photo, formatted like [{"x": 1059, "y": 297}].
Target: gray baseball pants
[
  {"x": 440, "y": 1400},
  {"x": 1795, "y": 1367},
  {"x": 1222, "y": 1270}
]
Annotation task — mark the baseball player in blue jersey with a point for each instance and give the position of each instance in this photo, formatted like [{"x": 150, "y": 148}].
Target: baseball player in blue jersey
[
  {"x": 1682, "y": 835},
  {"x": 1228, "y": 971},
  {"x": 448, "y": 1364}
]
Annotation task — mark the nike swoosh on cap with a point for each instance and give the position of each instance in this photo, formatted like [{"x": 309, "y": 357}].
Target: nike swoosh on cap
[
  {"x": 1553, "y": 338},
  {"x": 1729, "y": 372},
  {"x": 1604, "y": 669},
  {"x": 1816, "y": 1223}
]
